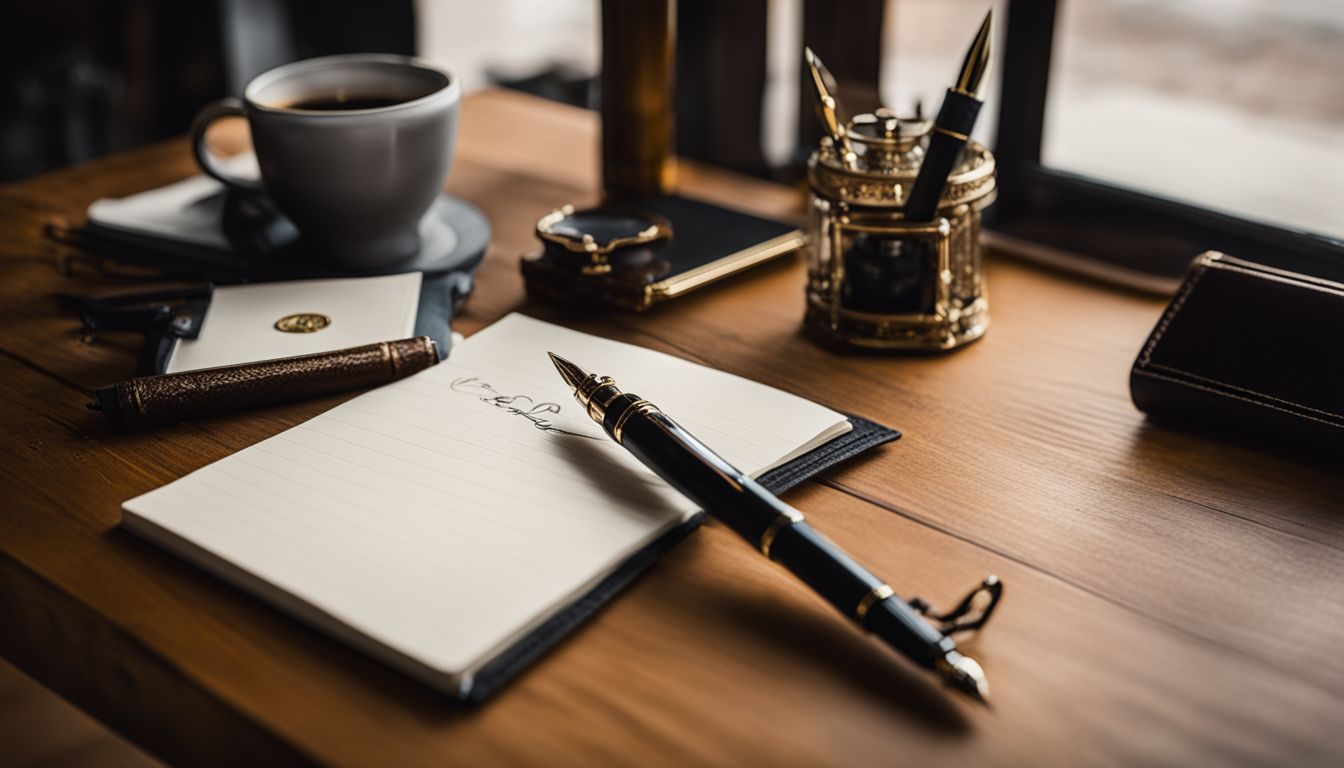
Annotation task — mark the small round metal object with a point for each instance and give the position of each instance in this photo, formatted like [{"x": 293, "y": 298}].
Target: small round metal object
[
  {"x": 593, "y": 235},
  {"x": 302, "y": 322}
]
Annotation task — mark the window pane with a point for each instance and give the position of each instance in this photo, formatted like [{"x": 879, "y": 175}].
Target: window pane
[{"x": 1234, "y": 105}]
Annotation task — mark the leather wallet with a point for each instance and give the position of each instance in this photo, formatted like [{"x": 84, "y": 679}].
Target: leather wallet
[{"x": 1248, "y": 348}]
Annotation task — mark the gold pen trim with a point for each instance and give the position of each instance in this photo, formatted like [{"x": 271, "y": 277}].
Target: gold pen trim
[
  {"x": 642, "y": 406},
  {"x": 784, "y": 520},
  {"x": 875, "y": 595},
  {"x": 953, "y": 134},
  {"x": 588, "y": 388},
  {"x": 728, "y": 265},
  {"x": 597, "y": 406}
]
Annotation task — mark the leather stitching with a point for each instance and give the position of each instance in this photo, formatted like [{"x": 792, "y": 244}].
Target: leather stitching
[
  {"x": 1223, "y": 384},
  {"x": 1312, "y": 286},
  {"x": 1203, "y": 388},
  {"x": 1170, "y": 314},
  {"x": 1222, "y": 387}
]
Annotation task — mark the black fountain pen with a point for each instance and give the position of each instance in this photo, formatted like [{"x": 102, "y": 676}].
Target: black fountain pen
[
  {"x": 951, "y": 129},
  {"x": 777, "y": 529}
]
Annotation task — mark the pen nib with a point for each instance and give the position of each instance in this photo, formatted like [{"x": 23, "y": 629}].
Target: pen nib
[
  {"x": 976, "y": 63},
  {"x": 965, "y": 675},
  {"x": 571, "y": 373}
]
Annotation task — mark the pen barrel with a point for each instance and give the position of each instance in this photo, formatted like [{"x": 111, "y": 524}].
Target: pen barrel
[
  {"x": 951, "y": 130},
  {"x": 771, "y": 526},
  {"x": 150, "y": 400},
  {"x": 853, "y": 590},
  {"x": 719, "y": 488}
]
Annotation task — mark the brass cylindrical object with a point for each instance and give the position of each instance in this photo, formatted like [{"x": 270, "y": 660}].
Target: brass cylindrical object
[
  {"x": 152, "y": 400},
  {"x": 638, "y": 44},
  {"x": 875, "y": 280}
]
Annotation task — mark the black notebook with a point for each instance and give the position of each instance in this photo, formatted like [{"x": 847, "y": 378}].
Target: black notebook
[{"x": 458, "y": 523}]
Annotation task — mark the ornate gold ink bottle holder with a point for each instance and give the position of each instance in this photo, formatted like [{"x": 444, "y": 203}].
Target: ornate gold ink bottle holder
[{"x": 875, "y": 280}]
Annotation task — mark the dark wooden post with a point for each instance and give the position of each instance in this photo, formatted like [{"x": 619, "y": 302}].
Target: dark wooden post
[{"x": 638, "y": 40}]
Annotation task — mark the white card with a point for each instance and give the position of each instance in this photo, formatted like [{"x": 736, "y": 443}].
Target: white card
[{"x": 240, "y": 325}]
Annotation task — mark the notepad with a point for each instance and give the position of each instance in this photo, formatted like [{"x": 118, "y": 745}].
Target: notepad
[{"x": 437, "y": 522}]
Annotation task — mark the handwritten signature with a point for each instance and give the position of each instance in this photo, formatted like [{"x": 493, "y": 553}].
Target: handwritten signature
[{"x": 518, "y": 405}]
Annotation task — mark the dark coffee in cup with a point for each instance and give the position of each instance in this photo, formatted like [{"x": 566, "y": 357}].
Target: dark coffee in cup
[
  {"x": 353, "y": 148},
  {"x": 345, "y": 103}
]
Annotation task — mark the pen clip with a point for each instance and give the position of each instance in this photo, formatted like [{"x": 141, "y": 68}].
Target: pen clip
[{"x": 966, "y": 616}]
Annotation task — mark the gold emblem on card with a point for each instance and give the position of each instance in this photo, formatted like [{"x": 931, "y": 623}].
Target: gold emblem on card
[{"x": 302, "y": 322}]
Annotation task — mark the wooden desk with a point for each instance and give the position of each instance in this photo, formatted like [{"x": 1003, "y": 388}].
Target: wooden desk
[{"x": 1170, "y": 599}]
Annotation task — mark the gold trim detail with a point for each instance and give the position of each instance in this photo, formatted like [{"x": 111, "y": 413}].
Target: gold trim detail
[
  {"x": 953, "y": 134},
  {"x": 642, "y": 406},
  {"x": 588, "y": 388},
  {"x": 730, "y": 264},
  {"x": 615, "y": 393},
  {"x": 784, "y": 520},
  {"x": 658, "y": 228},
  {"x": 873, "y": 597},
  {"x": 302, "y": 322},
  {"x": 830, "y": 179},
  {"x": 544, "y": 276},
  {"x": 597, "y": 411}
]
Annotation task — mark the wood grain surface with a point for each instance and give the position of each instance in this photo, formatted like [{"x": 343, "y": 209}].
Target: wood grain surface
[{"x": 1171, "y": 598}]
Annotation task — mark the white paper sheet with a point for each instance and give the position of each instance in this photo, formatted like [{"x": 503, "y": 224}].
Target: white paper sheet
[{"x": 433, "y": 523}]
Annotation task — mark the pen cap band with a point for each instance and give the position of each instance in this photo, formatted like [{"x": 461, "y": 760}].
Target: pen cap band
[{"x": 958, "y": 112}]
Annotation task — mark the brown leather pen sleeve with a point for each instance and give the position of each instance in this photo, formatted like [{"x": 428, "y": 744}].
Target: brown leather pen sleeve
[{"x": 151, "y": 400}]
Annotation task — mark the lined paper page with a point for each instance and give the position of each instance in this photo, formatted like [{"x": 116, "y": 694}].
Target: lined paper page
[{"x": 435, "y": 518}]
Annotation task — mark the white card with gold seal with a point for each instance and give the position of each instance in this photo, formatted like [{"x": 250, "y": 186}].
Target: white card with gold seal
[{"x": 264, "y": 321}]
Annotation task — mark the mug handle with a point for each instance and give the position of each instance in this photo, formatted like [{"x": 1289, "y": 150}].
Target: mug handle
[{"x": 213, "y": 111}]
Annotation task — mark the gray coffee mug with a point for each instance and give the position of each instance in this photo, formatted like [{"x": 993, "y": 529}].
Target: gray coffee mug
[{"x": 353, "y": 148}]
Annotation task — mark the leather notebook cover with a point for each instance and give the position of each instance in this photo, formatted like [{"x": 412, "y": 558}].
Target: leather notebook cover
[
  {"x": 1248, "y": 348},
  {"x": 709, "y": 243},
  {"x": 705, "y": 233},
  {"x": 865, "y": 436}
]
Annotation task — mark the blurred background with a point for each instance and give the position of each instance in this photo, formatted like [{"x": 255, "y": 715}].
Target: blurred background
[{"x": 1233, "y": 105}]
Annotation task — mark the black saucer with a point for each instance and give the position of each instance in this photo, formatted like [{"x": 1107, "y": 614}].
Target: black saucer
[
  {"x": 453, "y": 237},
  {"x": 266, "y": 246}
]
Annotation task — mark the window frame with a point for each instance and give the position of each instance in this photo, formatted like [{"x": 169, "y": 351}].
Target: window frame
[{"x": 1104, "y": 229}]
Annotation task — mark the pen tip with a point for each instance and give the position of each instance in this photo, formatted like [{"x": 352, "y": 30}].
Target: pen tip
[
  {"x": 976, "y": 63},
  {"x": 571, "y": 373},
  {"x": 965, "y": 675}
]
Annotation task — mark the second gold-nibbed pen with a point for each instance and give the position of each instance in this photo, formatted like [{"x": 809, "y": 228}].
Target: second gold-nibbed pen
[{"x": 775, "y": 528}]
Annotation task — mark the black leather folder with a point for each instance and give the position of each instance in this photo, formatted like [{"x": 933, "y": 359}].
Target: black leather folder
[{"x": 1248, "y": 349}]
